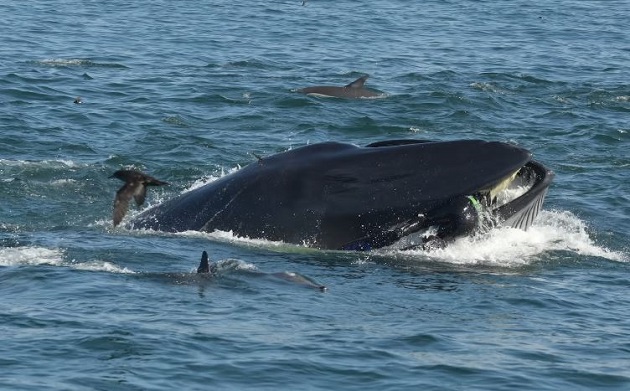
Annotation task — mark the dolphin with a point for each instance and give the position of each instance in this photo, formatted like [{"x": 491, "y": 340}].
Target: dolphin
[
  {"x": 351, "y": 91},
  {"x": 205, "y": 267},
  {"x": 135, "y": 186},
  {"x": 345, "y": 197}
]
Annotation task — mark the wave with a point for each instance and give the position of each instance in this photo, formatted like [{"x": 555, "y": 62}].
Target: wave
[
  {"x": 77, "y": 62},
  {"x": 22, "y": 256},
  {"x": 56, "y": 163},
  {"x": 34, "y": 256},
  {"x": 100, "y": 266}
]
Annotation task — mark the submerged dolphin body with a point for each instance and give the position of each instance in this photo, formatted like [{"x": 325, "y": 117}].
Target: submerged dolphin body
[
  {"x": 205, "y": 267},
  {"x": 351, "y": 91},
  {"x": 340, "y": 196}
]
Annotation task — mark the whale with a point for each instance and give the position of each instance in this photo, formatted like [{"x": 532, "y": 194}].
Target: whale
[
  {"x": 340, "y": 196},
  {"x": 353, "y": 90}
]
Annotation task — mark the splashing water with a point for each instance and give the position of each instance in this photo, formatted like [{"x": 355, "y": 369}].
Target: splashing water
[
  {"x": 500, "y": 246},
  {"x": 510, "y": 247},
  {"x": 33, "y": 256},
  {"x": 15, "y": 256}
]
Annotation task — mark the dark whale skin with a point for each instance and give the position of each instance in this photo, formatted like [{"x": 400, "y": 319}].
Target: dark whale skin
[{"x": 330, "y": 194}]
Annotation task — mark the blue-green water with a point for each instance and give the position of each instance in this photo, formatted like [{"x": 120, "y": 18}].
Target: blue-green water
[{"x": 187, "y": 90}]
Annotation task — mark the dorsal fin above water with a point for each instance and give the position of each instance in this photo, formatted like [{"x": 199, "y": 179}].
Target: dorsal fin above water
[
  {"x": 204, "y": 265},
  {"x": 358, "y": 83}
]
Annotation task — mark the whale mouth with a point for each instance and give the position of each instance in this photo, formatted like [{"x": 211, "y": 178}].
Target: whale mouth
[
  {"x": 514, "y": 201},
  {"x": 518, "y": 204}
]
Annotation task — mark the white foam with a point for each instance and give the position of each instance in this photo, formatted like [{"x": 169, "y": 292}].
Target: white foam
[
  {"x": 38, "y": 163},
  {"x": 63, "y": 61},
  {"x": 502, "y": 246},
  {"x": 229, "y": 236},
  {"x": 235, "y": 264},
  {"x": 31, "y": 256},
  {"x": 210, "y": 178},
  {"x": 17, "y": 256},
  {"x": 510, "y": 247},
  {"x": 100, "y": 266},
  {"x": 486, "y": 87},
  {"x": 74, "y": 62},
  {"x": 201, "y": 182},
  {"x": 61, "y": 182}
]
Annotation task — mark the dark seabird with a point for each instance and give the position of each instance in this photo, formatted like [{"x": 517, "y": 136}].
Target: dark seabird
[{"x": 135, "y": 186}]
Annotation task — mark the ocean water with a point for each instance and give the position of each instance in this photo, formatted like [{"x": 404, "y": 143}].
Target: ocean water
[{"x": 188, "y": 90}]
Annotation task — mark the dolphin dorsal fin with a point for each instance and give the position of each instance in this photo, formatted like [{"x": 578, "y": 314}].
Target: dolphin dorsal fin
[
  {"x": 204, "y": 266},
  {"x": 358, "y": 83}
]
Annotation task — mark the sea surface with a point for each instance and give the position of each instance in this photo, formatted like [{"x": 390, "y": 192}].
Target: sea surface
[{"x": 188, "y": 91}]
